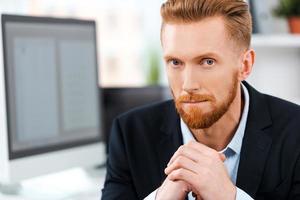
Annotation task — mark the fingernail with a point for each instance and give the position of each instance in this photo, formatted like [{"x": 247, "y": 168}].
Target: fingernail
[
  {"x": 168, "y": 163},
  {"x": 166, "y": 170}
]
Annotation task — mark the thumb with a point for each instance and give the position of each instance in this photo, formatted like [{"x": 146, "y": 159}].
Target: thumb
[{"x": 222, "y": 157}]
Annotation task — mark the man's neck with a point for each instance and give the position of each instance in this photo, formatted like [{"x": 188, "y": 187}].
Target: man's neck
[{"x": 220, "y": 133}]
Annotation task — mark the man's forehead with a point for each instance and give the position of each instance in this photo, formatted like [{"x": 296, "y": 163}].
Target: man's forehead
[
  {"x": 206, "y": 36},
  {"x": 212, "y": 26}
]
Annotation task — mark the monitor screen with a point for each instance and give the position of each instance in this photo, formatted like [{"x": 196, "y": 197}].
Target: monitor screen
[
  {"x": 120, "y": 100},
  {"x": 51, "y": 84}
]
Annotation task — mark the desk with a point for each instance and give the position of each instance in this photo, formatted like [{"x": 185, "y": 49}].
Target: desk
[{"x": 74, "y": 184}]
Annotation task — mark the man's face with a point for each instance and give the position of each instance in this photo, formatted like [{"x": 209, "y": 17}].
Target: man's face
[{"x": 203, "y": 70}]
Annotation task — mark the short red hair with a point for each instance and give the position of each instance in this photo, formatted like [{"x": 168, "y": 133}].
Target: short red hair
[{"x": 235, "y": 13}]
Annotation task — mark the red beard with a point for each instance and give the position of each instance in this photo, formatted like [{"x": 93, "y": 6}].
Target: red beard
[{"x": 195, "y": 118}]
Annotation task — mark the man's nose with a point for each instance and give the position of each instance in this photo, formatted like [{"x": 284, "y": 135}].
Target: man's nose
[{"x": 191, "y": 81}]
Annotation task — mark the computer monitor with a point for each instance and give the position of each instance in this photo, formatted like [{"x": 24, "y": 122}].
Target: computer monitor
[{"x": 49, "y": 98}]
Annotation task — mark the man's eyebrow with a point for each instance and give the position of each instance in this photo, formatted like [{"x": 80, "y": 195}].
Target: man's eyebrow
[
  {"x": 199, "y": 57},
  {"x": 207, "y": 55},
  {"x": 169, "y": 57}
]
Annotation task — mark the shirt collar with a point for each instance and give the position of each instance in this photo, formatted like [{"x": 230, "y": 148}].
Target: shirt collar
[{"x": 236, "y": 142}]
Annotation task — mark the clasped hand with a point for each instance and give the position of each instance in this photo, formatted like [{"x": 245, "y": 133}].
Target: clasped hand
[{"x": 197, "y": 168}]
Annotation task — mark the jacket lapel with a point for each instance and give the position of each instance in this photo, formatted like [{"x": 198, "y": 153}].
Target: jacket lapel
[
  {"x": 170, "y": 137},
  {"x": 256, "y": 143}
]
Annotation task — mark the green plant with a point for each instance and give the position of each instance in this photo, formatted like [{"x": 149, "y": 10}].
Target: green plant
[
  {"x": 288, "y": 8},
  {"x": 154, "y": 67}
]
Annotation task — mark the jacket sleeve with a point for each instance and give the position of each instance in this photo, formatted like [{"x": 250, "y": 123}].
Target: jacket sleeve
[
  {"x": 295, "y": 189},
  {"x": 118, "y": 182}
]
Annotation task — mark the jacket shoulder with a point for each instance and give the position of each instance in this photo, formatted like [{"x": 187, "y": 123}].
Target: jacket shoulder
[
  {"x": 285, "y": 129},
  {"x": 147, "y": 113},
  {"x": 282, "y": 109}
]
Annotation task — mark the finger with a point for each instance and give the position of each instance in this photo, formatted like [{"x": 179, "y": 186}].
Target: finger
[
  {"x": 182, "y": 174},
  {"x": 202, "y": 148},
  {"x": 189, "y": 178},
  {"x": 195, "y": 155},
  {"x": 187, "y": 152},
  {"x": 222, "y": 156},
  {"x": 206, "y": 150},
  {"x": 182, "y": 162}
]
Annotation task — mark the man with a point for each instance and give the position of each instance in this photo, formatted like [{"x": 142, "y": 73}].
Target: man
[{"x": 219, "y": 138}]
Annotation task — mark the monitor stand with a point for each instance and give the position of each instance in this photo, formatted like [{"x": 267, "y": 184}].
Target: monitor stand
[
  {"x": 10, "y": 189},
  {"x": 75, "y": 183},
  {"x": 21, "y": 191}
]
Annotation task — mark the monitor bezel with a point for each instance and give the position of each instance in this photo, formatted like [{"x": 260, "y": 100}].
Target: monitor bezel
[{"x": 8, "y": 18}]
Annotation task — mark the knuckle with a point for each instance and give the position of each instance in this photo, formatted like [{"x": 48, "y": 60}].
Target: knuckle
[
  {"x": 180, "y": 149},
  {"x": 190, "y": 143},
  {"x": 179, "y": 173},
  {"x": 172, "y": 176},
  {"x": 179, "y": 161}
]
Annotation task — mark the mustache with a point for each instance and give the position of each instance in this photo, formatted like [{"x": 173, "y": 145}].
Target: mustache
[{"x": 194, "y": 98}]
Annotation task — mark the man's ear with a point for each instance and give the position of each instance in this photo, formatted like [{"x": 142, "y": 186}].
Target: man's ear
[{"x": 248, "y": 60}]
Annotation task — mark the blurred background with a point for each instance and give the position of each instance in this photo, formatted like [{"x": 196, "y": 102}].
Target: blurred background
[
  {"x": 131, "y": 71},
  {"x": 128, "y": 33}
]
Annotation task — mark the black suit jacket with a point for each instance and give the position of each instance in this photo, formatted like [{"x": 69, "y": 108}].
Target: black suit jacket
[{"x": 143, "y": 140}]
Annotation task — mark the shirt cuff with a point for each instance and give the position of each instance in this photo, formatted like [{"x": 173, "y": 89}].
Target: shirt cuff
[
  {"x": 151, "y": 196},
  {"x": 241, "y": 195}
]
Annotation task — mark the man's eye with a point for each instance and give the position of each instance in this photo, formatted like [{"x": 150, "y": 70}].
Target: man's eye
[
  {"x": 175, "y": 62},
  {"x": 209, "y": 61}
]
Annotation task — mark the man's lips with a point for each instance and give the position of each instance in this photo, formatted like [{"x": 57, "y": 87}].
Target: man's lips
[{"x": 194, "y": 102}]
